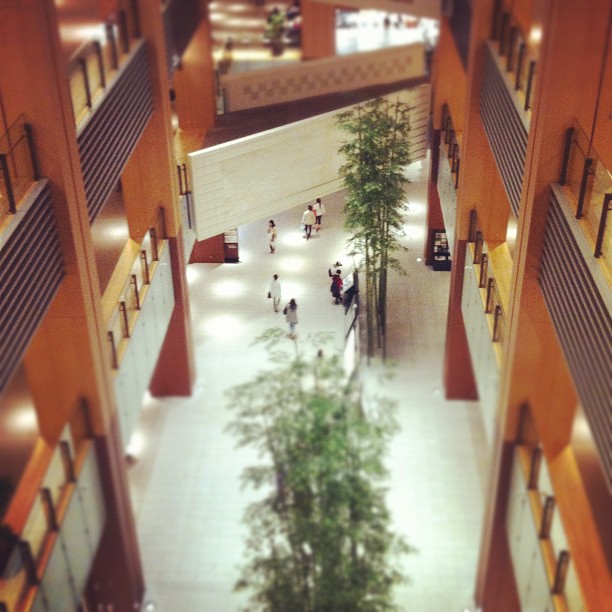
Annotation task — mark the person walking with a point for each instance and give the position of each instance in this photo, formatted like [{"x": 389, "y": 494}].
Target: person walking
[
  {"x": 318, "y": 210},
  {"x": 272, "y": 236},
  {"x": 336, "y": 285},
  {"x": 290, "y": 313},
  {"x": 274, "y": 292},
  {"x": 308, "y": 219}
]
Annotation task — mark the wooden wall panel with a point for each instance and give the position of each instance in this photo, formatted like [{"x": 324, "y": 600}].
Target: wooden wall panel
[
  {"x": 580, "y": 306},
  {"x": 31, "y": 270}
]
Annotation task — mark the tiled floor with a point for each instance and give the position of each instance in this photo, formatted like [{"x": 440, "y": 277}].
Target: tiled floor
[{"x": 185, "y": 481}]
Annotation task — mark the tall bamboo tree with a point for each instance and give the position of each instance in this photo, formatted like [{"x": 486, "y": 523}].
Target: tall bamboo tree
[
  {"x": 320, "y": 539},
  {"x": 376, "y": 155}
]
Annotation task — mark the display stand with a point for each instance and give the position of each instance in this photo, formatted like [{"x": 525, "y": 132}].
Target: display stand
[
  {"x": 441, "y": 254},
  {"x": 230, "y": 246}
]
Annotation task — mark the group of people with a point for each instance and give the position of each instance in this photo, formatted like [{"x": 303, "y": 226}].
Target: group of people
[
  {"x": 290, "y": 310},
  {"x": 312, "y": 217}
]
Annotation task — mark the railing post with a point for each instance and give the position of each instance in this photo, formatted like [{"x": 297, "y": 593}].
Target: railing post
[
  {"x": 547, "y": 516},
  {"x": 534, "y": 468},
  {"x": 111, "y": 339},
  {"x": 145, "y": 266},
  {"x": 68, "y": 461},
  {"x": 494, "y": 25},
  {"x": 561, "y": 572},
  {"x": 519, "y": 66},
  {"x": 98, "y": 48},
  {"x": 124, "y": 319},
  {"x": 601, "y": 232},
  {"x": 457, "y": 174},
  {"x": 569, "y": 135},
  {"x": 473, "y": 225},
  {"x": 530, "y": 75},
  {"x": 154, "y": 251},
  {"x": 496, "y": 318},
  {"x": 510, "y": 56},
  {"x": 180, "y": 178},
  {"x": 162, "y": 221},
  {"x": 47, "y": 500},
  {"x": 10, "y": 194},
  {"x": 490, "y": 295},
  {"x": 478, "y": 244},
  {"x": 188, "y": 202},
  {"x": 586, "y": 170},
  {"x": 133, "y": 4},
  {"x": 33, "y": 158},
  {"x": 123, "y": 30},
  {"x": 185, "y": 177},
  {"x": 484, "y": 264},
  {"x": 134, "y": 283},
  {"x": 505, "y": 22},
  {"x": 83, "y": 64},
  {"x": 110, "y": 37}
]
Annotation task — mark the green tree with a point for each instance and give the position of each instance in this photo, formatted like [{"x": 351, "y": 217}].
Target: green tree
[
  {"x": 320, "y": 540},
  {"x": 376, "y": 156}
]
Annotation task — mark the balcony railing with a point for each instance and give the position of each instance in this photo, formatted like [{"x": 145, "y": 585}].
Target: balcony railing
[
  {"x": 92, "y": 65},
  {"x": 32, "y": 520},
  {"x": 449, "y": 138},
  {"x": 18, "y": 167},
  {"x": 493, "y": 302},
  {"x": 126, "y": 312},
  {"x": 520, "y": 53},
  {"x": 588, "y": 183}
]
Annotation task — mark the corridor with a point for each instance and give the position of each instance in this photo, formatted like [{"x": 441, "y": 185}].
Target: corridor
[{"x": 185, "y": 476}]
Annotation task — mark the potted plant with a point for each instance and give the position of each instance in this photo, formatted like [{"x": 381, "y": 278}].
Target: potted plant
[{"x": 275, "y": 30}]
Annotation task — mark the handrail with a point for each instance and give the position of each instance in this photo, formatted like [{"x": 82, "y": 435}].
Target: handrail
[
  {"x": 139, "y": 277},
  {"x": 588, "y": 183},
  {"x": 18, "y": 163},
  {"x": 94, "y": 61},
  {"x": 520, "y": 53},
  {"x": 493, "y": 305},
  {"x": 451, "y": 142}
]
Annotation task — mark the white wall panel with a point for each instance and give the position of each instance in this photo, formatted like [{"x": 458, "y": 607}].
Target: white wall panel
[
  {"x": 318, "y": 77},
  {"x": 529, "y": 569},
  {"x": 55, "y": 584},
  {"x": 138, "y": 364},
  {"x": 482, "y": 352},
  {"x": 257, "y": 176}
]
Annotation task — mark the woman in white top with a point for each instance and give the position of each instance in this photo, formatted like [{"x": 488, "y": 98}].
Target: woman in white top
[
  {"x": 318, "y": 210},
  {"x": 275, "y": 292}
]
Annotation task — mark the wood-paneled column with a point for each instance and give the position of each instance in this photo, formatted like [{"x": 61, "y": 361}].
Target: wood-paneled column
[
  {"x": 318, "y": 30},
  {"x": 149, "y": 182},
  {"x": 69, "y": 357}
]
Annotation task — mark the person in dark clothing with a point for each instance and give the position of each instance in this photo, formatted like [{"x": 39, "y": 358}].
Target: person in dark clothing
[{"x": 336, "y": 285}]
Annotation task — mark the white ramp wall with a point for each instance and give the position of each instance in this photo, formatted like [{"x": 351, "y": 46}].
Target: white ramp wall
[
  {"x": 322, "y": 76},
  {"x": 255, "y": 177}
]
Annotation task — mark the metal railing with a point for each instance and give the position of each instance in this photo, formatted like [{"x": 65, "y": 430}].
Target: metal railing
[
  {"x": 521, "y": 54},
  {"x": 33, "y": 517},
  {"x": 185, "y": 190},
  {"x": 451, "y": 144},
  {"x": 18, "y": 165},
  {"x": 486, "y": 280},
  {"x": 129, "y": 304},
  {"x": 95, "y": 61},
  {"x": 589, "y": 184}
]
